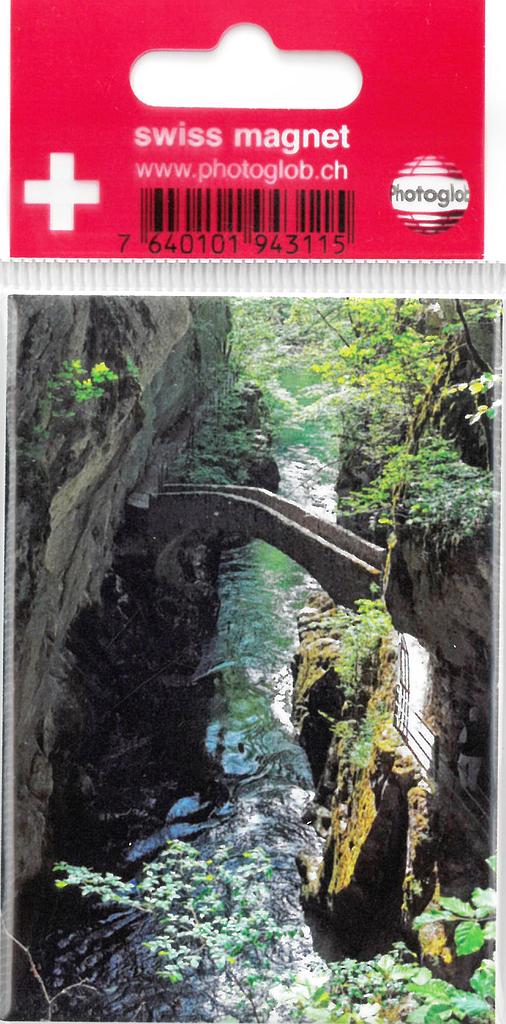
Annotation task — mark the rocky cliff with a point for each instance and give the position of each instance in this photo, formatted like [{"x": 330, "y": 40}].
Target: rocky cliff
[
  {"x": 387, "y": 850},
  {"x": 442, "y": 583},
  {"x": 76, "y": 463},
  {"x": 371, "y": 805}
]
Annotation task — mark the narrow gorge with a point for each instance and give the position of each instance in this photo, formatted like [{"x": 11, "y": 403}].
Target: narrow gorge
[{"x": 254, "y": 607}]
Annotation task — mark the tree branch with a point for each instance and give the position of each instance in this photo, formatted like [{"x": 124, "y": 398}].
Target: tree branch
[
  {"x": 246, "y": 993},
  {"x": 485, "y": 368},
  {"x": 31, "y": 961},
  {"x": 331, "y": 325},
  {"x": 480, "y": 362},
  {"x": 49, "y": 1000}
]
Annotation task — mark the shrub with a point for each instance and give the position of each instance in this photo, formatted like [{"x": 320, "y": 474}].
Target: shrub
[
  {"x": 211, "y": 913},
  {"x": 76, "y": 384},
  {"x": 428, "y": 490}
]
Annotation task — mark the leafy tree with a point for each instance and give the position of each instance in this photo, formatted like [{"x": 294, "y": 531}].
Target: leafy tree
[
  {"x": 428, "y": 489},
  {"x": 210, "y": 913},
  {"x": 225, "y": 441},
  {"x": 382, "y": 350},
  {"x": 383, "y": 362},
  {"x": 273, "y": 338}
]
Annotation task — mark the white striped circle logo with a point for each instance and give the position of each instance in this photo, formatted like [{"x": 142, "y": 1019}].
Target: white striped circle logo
[{"x": 430, "y": 194}]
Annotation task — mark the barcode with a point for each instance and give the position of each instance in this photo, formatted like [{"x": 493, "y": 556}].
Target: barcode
[{"x": 247, "y": 212}]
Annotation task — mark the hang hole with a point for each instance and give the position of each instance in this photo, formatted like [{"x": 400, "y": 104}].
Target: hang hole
[{"x": 246, "y": 70}]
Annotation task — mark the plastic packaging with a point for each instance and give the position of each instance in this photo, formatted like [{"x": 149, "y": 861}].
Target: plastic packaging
[{"x": 252, "y": 651}]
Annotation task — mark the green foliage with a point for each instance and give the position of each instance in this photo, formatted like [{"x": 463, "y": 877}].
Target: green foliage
[
  {"x": 433, "y": 490},
  {"x": 360, "y": 632},
  {"x": 478, "y": 387},
  {"x": 391, "y": 987},
  {"x": 374, "y": 360},
  {"x": 351, "y": 992},
  {"x": 361, "y": 748},
  {"x": 209, "y": 913},
  {"x": 213, "y": 914},
  {"x": 384, "y": 360},
  {"x": 474, "y": 919},
  {"x": 474, "y": 922},
  {"x": 132, "y": 369},
  {"x": 396, "y": 987},
  {"x": 67, "y": 391},
  {"x": 383, "y": 351},
  {"x": 357, "y": 736},
  {"x": 482, "y": 311},
  {"x": 276, "y": 340},
  {"x": 224, "y": 444},
  {"x": 439, "y": 1001},
  {"x": 74, "y": 383}
]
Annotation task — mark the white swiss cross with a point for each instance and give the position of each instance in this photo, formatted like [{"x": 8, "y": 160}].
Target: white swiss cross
[{"x": 62, "y": 192}]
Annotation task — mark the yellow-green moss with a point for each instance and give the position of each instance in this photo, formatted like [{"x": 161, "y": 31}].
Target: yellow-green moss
[
  {"x": 315, "y": 661},
  {"x": 419, "y": 813},
  {"x": 347, "y": 848},
  {"x": 420, "y": 883},
  {"x": 347, "y": 845},
  {"x": 433, "y": 942},
  {"x": 356, "y": 752},
  {"x": 319, "y": 648}
]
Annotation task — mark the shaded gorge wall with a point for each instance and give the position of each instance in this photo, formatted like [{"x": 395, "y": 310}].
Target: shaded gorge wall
[{"x": 73, "y": 475}]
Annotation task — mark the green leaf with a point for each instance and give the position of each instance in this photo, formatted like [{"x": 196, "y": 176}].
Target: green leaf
[
  {"x": 172, "y": 976},
  {"x": 434, "y": 989},
  {"x": 492, "y": 862},
  {"x": 483, "y": 980},
  {"x": 321, "y": 997},
  {"x": 438, "y": 1012},
  {"x": 457, "y": 906},
  {"x": 430, "y": 916},
  {"x": 470, "y": 1004},
  {"x": 418, "y": 1016},
  {"x": 489, "y": 931},
  {"x": 469, "y": 938},
  {"x": 485, "y": 898}
]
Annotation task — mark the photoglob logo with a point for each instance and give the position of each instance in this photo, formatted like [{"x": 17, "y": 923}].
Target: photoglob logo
[{"x": 430, "y": 194}]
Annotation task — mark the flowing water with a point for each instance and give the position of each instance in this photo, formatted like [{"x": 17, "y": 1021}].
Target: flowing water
[{"x": 262, "y": 782}]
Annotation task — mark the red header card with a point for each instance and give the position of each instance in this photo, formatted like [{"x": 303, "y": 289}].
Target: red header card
[{"x": 395, "y": 174}]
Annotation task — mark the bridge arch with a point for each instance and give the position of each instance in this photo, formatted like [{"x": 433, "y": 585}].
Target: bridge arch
[{"x": 341, "y": 562}]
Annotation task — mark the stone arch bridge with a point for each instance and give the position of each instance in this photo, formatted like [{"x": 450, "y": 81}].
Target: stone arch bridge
[{"x": 343, "y": 564}]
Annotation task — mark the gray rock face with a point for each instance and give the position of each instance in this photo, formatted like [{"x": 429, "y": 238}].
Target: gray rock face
[
  {"x": 73, "y": 476},
  {"x": 446, "y": 601}
]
